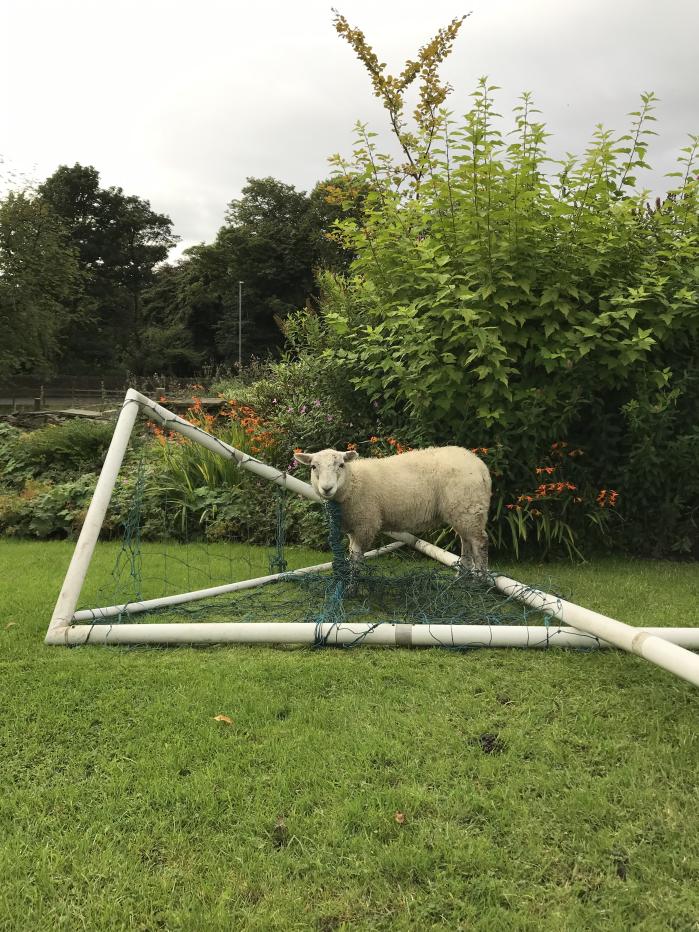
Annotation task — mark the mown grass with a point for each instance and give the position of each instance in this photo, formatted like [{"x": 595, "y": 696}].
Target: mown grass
[{"x": 537, "y": 790}]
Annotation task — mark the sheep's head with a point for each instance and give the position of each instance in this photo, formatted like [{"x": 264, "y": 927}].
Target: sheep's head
[{"x": 328, "y": 474}]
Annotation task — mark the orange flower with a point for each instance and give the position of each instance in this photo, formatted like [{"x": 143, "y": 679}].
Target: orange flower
[
  {"x": 373, "y": 439},
  {"x": 351, "y": 446}
]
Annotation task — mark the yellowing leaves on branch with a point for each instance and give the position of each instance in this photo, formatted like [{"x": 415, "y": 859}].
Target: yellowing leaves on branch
[{"x": 391, "y": 90}]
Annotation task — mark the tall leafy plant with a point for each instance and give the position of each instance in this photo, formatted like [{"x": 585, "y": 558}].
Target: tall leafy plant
[{"x": 499, "y": 297}]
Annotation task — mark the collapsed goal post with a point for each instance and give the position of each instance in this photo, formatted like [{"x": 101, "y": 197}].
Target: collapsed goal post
[{"x": 569, "y": 625}]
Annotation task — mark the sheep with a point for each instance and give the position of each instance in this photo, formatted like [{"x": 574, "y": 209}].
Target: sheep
[{"x": 414, "y": 491}]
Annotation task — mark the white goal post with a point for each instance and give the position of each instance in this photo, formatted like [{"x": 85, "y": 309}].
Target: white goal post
[{"x": 572, "y": 625}]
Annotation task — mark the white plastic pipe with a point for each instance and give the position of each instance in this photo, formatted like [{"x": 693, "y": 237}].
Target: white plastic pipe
[
  {"x": 463, "y": 636},
  {"x": 148, "y": 605},
  {"x": 429, "y": 550},
  {"x": 75, "y": 576},
  {"x": 654, "y": 647},
  {"x": 651, "y": 646}
]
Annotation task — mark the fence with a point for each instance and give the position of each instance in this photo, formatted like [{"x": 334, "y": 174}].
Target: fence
[
  {"x": 26, "y": 393},
  {"x": 40, "y": 397}
]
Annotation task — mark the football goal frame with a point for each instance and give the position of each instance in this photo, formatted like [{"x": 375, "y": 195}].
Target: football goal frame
[{"x": 569, "y": 625}]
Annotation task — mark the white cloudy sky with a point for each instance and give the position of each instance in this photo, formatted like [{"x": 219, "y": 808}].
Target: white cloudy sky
[{"x": 180, "y": 102}]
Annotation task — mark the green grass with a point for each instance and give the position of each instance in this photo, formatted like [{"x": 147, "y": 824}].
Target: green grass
[{"x": 541, "y": 790}]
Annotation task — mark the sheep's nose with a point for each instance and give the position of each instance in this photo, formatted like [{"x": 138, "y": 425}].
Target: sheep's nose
[{"x": 326, "y": 489}]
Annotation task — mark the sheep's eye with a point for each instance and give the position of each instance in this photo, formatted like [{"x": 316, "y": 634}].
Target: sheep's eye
[
  {"x": 342, "y": 465},
  {"x": 313, "y": 468}
]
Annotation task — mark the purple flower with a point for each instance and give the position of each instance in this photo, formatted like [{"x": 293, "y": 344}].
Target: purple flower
[
  {"x": 317, "y": 403},
  {"x": 329, "y": 418},
  {"x": 274, "y": 401},
  {"x": 289, "y": 410},
  {"x": 302, "y": 409}
]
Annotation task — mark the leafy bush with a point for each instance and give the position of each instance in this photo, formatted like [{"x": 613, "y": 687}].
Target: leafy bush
[
  {"x": 498, "y": 282},
  {"x": 15, "y": 461},
  {"x": 493, "y": 304},
  {"x": 658, "y": 470},
  {"x": 45, "y": 510},
  {"x": 74, "y": 445}
]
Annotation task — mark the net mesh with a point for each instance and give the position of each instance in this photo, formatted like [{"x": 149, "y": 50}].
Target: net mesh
[{"x": 403, "y": 587}]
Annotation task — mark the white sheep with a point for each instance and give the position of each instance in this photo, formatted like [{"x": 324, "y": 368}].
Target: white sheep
[{"x": 415, "y": 491}]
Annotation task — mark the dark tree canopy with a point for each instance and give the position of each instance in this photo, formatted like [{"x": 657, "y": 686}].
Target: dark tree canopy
[
  {"x": 84, "y": 286},
  {"x": 274, "y": 239},
  {"x": 119, "y": 240},
  {"x": 40, "y": 281}
]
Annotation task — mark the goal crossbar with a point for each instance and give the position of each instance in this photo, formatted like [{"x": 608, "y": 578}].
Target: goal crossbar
[{"x": 580, "y": 626}]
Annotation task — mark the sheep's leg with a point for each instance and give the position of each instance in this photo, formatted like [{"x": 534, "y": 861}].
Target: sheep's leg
[
  {"x": 356, "y": 556},
  {"x": 479, "y": 546},
  {"x": 467, "y": 559},
  {"x": 356, "y": 551}
]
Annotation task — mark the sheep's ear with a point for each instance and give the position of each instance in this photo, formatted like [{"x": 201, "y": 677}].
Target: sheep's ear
[
  {"x": 303, "y": 458},
  {"x": 350, "y": 455}
]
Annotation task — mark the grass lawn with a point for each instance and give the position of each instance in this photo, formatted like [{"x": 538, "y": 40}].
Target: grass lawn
[{"x": 361, "y": 789}]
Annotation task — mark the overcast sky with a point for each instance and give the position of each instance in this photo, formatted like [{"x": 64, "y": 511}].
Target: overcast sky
[{"x": 179, "y": 103}]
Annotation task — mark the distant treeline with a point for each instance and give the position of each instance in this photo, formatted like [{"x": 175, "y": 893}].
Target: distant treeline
[{"x": 85, "y": 288}]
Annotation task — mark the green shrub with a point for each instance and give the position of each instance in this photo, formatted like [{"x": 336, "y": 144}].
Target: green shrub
[
  {"x": 45, "y": 510},
  {"x": 659, "y": 469},
  {"x": 74, "y": 445},
  {"x": 15, "y": 461},
  {"x": 498, "y": 304}
]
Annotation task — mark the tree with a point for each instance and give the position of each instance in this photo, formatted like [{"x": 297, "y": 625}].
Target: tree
[
  {"x": 274, "y": 240},
  {"x": 119, "y": 240},
  {"x": 167, "y": 343},
  {"x": 40, "y": 278}
]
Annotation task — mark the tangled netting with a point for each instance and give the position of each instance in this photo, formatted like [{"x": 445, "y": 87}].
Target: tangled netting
[{"x": 400, "y": 587}]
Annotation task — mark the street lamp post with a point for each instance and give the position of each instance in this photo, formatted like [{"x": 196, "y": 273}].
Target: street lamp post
[{"x": 240, "y": 326}]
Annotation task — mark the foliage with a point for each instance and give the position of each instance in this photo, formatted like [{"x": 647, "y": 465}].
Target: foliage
[
  {"x": 15, "y": 463},
  {"x": 119, "y": 240},
  {"x": 391, "y": 90},
  {"x": 502, "y": 300},
  {"x": 295, "y": 410},
  {"x": 46, "y": 510},
  {"x": 273, "y": 240},
  {"x": 497, "y": 283},
  {"x": 661, "y": 440},
  {"x": 83, "y": 283},
  {"x": 54, "y": 451},
  {"x": 199, "y": 494},
  {"x": 39, "y": 278},
  {"x": 170, "y": 341},
  {"x": 556, "y": 508},
  {"x": 74, "y": 445}
]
